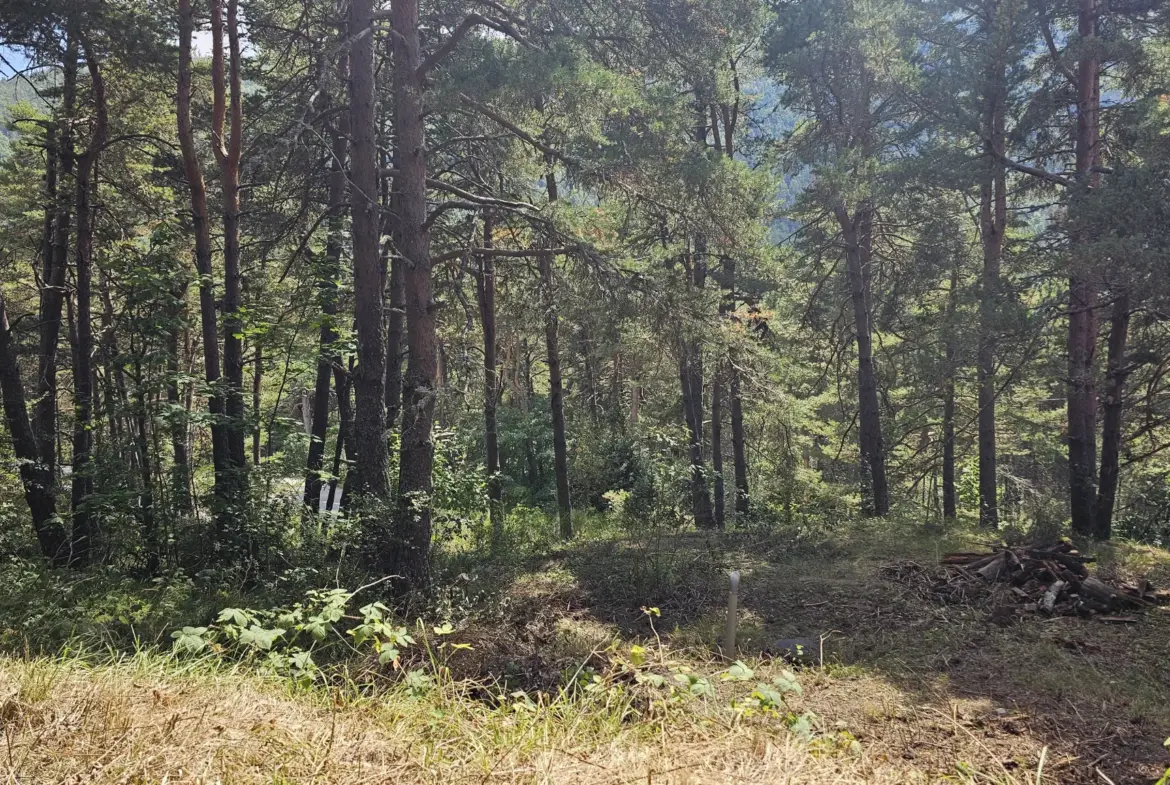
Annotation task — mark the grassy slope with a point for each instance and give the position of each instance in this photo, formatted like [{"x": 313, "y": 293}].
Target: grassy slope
[{"x": 931, "y": 691}]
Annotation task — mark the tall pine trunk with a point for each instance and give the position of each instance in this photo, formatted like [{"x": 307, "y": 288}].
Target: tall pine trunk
[
  {"x": 858, "y": 233},
  {"x": 55, "y": 264},
  {"x": 556, "y": 393},
  {"x": 180, "y": 462},
  {"x": 992, "y": 225},
  {"x": 730, "y": 116},
  {"x": 35, "y": 475},
  {"x": 369, "y": 431},
  {"x": 328, "y": 273},
  {"x": 227, "y": 98},
  {"x": 691, "y": 378},
  {"x": 486, "y": 289},
  {"x": 1112, "y": 433},
  {"x": 717, "y": 445},
  {"x": 950, "y": 362},
  {"x": 1082, "y": 318},
  {"x": 738, "y": 444},
  {"x": 84, "y": 527},
  {"x": 146, "y": 516},
  {"x": 201, "y": 227},
  {"x": 412, "y": 537}
]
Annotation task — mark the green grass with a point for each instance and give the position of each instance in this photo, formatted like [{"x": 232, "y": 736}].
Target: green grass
[{"x": 553, "y": 691}]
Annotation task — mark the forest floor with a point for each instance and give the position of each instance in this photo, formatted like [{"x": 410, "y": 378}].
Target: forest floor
[{"x": 931, "y": 692}]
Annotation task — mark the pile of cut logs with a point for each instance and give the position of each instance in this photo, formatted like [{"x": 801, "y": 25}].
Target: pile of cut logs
[{"x": 1052, "y": 580}]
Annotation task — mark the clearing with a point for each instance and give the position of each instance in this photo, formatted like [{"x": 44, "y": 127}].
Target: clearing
[{"x": 931, "y": 691}]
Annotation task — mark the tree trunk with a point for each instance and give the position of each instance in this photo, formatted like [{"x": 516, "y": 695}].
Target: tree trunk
[
  {"x": 738, "y": 445},
  {"x": 992, "y": 226},
  {"x": 395, "y": 322},
  {"x": 410, "y": 557},
  {"x": 857, "y": 231},
  {"x": 35, "y": 476},
  {"x": 486, "y": 289},
  {"x": 180, "y": 468},
  {"x": 207, "y": 305},
  {"x": 146, "y": 518},
  {"x": 950, "y": 361},
  {"x": 556, "y": 393},
  {"x": 329, "y": 271},
  {"x": 738, "y": 436},
  {"x": 717, "y": 444},
  {"x": 396, "y": 314},
  {"x": 1082, "y": 320},
  {"x": 369, "y": 434},
  {"x": 1112, "y": 433},
  {"x": 227, "y": 153},
  {"x": 54, "y": 268},
  {"x": 341, "y": 383},
  {"x": 691, "y": 378},
  {"x": 257, "y": 388},
  {"x": 531, "y": 461},
  {"x": 83, "y": 530}
]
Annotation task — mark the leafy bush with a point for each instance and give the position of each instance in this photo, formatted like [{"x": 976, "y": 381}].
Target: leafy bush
[{"x": 1146, "y": 514}]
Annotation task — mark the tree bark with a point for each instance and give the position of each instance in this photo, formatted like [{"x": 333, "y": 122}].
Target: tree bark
[
  {"x": 146, "y": 517},
  {"x": 738, "y": 445},
  {"x": 531, "y": 461},
  {"x": 341, "y": 383},
  {"x": 369, "y": 378},
  {"x": 717, "y": 444},
  {"x": 691, "y": 378},
  {"x": 396, "y": 313},
  {"x": 227, "y": 97},
  {"x": 992, "y": 226},
  {"x": 1082, "y": 320},
  {"x": 1112, "y": 433},
  {"x": 410, "y": 557},
  {"x": 55, "y": 264},
  {"x": 257, "y": 389},
  {"x": 857, "y": 231},
  {"x": 950, "y": 361},
  {"x": 486, "y": 289},
  {"x": 35, "y": 476},
  {"x": 328, "y": 273},
  {"x": 84, "y": 529},
  {"x": 201, "y": 227},
  {"x": 556, "y": 393},
  {"x": 180, "y": 463}
]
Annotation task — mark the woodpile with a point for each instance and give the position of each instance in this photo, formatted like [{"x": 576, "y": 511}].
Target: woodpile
[{"x": 1053, "y": 580}]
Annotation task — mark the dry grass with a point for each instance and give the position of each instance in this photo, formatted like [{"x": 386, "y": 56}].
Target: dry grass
[
  {"x": 934, "y": 693},
  {"x": 138, "y": 722}
]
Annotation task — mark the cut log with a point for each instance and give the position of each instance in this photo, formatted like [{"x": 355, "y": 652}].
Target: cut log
[
  {"x": 994, "y": 570},
  {"x": 1100, "y": 593},
  {"x": 1053, "y": 579},
  {"x": 1048, "y": 604}
]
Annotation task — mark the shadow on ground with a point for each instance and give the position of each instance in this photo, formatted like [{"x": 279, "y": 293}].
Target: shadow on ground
[{"x": 938, "y": 685}]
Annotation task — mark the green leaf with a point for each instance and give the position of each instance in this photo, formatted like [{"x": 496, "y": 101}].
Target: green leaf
[
  {"x": 738, "y": 672},
  {"x": 801, "y": 726},
  {"x": 388, "y": 654},
  {"x": 236, "y": 616},
  {"x": 190, "y": 639},
  {"x": 786, "y": 682},
  {"x": 446, "y": 629},
  {"x": 260, "y": 638}
]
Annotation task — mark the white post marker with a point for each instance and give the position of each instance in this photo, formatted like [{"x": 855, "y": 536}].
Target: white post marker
[{"x": 732, "y": 604}]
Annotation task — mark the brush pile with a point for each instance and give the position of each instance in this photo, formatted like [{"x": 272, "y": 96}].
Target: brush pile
[{"x": 1052, "y": 580}]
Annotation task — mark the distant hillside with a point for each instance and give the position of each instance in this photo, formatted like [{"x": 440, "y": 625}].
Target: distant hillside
[{"x": 16, "y": 90}]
